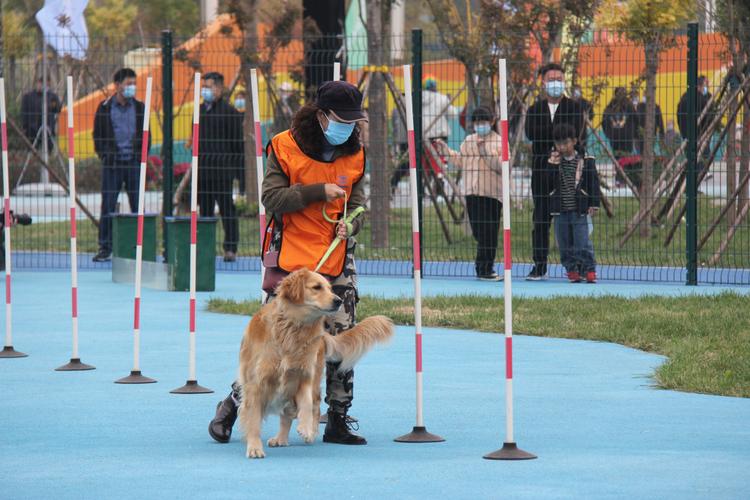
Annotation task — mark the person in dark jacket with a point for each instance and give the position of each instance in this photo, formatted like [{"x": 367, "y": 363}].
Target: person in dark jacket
[
  {"x": 31, "y": 113},
  {"x": 575, "y": 198},
  {"x": 552, "y": 109},
  {"x": 620, "y": 124},
  {"x": 640, "y": 113},
  {"x": 221, "y": 158},
  {"x": 586, "y": 106},
  {"x": 703, "y": 98},
  {"x": 118, "y": 136}
]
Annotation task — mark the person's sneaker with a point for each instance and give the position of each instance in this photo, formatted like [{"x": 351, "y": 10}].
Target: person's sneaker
[
  {"x": 537, "y": 274},
  {"x": 574, "y": 277},
  {"x": 230, "y": 256},
  {"x": 493, "y": 276},
  {"x": 102, "y": 255},
  {"x": 339, "y": 430},
  {"x": 591, "y": 277}
]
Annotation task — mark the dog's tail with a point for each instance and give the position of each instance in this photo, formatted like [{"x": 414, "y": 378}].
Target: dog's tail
[{"x": 349, "y": 346}]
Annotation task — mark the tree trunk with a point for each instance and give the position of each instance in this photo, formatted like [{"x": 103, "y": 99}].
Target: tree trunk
[
  {"x": 731, "y": 181},
  {"x": 245, "y": 13},
  {"x": 10, "y": 78},
  {"x": 731, "y": 170},
  {"x": 378, "y": 147},
  {"x": 744, "y": 198},
  {"x": 647, "y": 161}
]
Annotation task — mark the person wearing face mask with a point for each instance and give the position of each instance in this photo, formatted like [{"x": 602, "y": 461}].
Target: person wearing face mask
[
  {"x": 482, "y": 170},
  {"x": 640, "y": 113},
  {"x": 240, "y": 101},
  {"x": 221, "y": 157},
  {"x": 703, "y": 97},
  {"x": 620, "y": 123},
  {"x": 286, "y": 105},
  {"x": 317, "y": 165},
  {"x": 118, "y": 135},
  {"x": 588, "y": 109},
  {"x": 550, "y": 109},
  {"x": 437, "y": 110}
]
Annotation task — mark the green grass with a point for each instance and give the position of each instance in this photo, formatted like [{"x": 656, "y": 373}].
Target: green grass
[
  {"x": 53, "y": 236},
  {"x": 706, "y": 339}
]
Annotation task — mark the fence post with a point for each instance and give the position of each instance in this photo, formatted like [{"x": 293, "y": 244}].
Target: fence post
[
  {"x": 416, "y": 88},
  {"x": 691, "y": 234},
  {"x": 167, "y": 141}
]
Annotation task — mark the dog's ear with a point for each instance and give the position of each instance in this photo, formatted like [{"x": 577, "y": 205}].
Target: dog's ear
[{"x": 292, "y": 288}]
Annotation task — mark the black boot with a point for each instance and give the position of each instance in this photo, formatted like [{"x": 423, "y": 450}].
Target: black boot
[
  {"x": 339, "y": 431},
  {"x": 220, "y": 427}
]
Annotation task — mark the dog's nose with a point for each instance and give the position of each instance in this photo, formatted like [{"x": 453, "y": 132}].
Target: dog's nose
[{"x": 337, "y": 302}]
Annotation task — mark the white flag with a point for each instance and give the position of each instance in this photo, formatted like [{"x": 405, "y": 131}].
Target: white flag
[{"x": 64, "y": 26}]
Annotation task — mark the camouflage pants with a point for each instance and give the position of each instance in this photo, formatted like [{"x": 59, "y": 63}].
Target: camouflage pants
[{"x": 339, "y": 385}]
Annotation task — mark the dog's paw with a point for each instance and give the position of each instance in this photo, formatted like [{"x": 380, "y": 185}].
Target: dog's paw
[
  {"x": 307, "y": 434},
  {"x": 276, "y": 442},
  {"x": 253, "y": 452}
]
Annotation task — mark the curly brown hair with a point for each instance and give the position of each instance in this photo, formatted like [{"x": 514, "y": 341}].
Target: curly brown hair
[{"x": 309, "y": 136}]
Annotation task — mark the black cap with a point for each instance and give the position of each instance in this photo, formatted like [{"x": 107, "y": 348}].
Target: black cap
[{"x": 342, "y": 99}]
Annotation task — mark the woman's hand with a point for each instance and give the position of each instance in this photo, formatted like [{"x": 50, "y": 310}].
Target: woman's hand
[
  {"x": 341, "y": 230},
  {"x": 334, "y": 192},
  {"x": 593, "y": 210}
]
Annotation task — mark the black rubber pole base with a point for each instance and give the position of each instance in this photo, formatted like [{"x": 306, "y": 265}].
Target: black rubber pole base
[
  {"x": 419, "y": 435},
  {"x": 510, "y": 451},
  {"x": 9, "y": 352},
  {"x": 324, "y": 418},
  {"x": 75, "y": 365},
  {"x": 192, "y": 387},
  {"x": 135, "y": 377}
]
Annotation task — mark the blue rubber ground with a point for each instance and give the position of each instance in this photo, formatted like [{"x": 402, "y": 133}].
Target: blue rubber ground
[{"x": 587, "y": 409}]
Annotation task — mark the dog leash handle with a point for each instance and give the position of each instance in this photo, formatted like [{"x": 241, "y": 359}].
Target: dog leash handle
[{"x": 335, "y": 243}]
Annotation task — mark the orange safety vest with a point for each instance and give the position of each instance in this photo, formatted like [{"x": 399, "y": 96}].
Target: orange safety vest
[{"x": 306, "y": 235}]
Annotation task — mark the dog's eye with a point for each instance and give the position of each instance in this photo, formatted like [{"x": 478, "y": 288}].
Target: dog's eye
[{"x": 318, "y": 287}]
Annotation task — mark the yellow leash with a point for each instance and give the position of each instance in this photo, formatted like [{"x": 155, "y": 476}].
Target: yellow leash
[{"x": 347, "y": 220}]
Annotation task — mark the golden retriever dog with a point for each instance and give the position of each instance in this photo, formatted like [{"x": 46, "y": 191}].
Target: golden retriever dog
[{"x": 283, "y": 354}]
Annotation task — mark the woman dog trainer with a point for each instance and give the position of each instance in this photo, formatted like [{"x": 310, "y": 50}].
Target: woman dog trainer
[{"x": 314, "y": 175}]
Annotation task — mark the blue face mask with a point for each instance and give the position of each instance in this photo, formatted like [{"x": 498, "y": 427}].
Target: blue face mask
[
  {"x": 555, "y": 88},
  {"x": 482, "y": 129},
  {"x": 239, "y": 104},
  {"x": 129, "y": 91},
  {"x": 207, "y": 94},
  {"x": 705, "y": 91},
  {"x": 338, "y": 133}
]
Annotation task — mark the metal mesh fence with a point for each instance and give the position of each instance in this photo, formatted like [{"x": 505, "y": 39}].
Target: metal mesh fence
[
  {"x": 639, "y": 233},
  {"x": 39, "y": 178}
]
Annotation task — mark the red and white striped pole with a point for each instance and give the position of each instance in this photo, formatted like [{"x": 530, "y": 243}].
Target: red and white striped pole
[
  {"x": 191, "y": 386},
  {"x": 75, "y": 361},
  {"x": 419, "y": 433},
  {"x": 8, "y": 351},
  {"x": 135, "y": 376},
  {"x": 258, "y": 167},
  {"x": 510, "y": 450}
]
